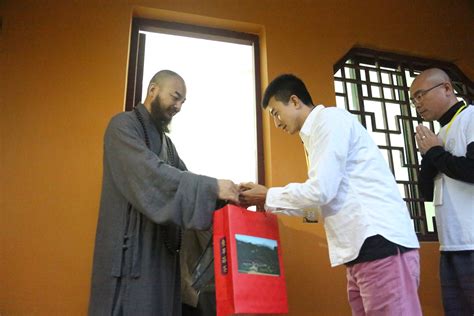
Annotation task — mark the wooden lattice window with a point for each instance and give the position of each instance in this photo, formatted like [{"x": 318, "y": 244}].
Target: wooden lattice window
[{"x": 374, "y": 86}]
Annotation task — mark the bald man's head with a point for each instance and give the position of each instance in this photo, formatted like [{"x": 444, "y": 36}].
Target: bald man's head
[
  {"x": 163, "y": 76},
  {"x": 165, "y": 97},
  {"x": 432, "y": 93},
  {"x": 433, "y": 75}
]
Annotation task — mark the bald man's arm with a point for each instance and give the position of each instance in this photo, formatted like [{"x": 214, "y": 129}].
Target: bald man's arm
[
  {"x": 459, "y": 168},
  {"x": 437, "y": 160}
]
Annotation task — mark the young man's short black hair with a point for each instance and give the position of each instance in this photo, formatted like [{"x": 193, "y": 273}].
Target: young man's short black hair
[{"x": 283, "y": 87}]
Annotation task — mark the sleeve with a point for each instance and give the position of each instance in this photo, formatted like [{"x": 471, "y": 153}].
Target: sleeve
[
  {"x": 179, "y": 164},
  {"x": 161, "y": 192},
  {"x": 459, "y": 168},
  {"x": 328, "y": 149}
]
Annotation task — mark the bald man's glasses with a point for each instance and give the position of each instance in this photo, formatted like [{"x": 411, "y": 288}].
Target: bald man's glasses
[{"x": 421, "y": 93}]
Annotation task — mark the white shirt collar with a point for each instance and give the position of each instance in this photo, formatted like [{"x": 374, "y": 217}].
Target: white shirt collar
[{"x": 305, "y": 130}]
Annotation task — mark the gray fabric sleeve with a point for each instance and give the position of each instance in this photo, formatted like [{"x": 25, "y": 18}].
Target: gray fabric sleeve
[{"x": 162, "y": 193}]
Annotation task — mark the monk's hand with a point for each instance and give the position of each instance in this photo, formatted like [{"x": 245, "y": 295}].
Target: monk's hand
[
  {"x": 252, "y": 194},
  {"x": 426, "y": 139},
  {"x": 228, "y": 190}
]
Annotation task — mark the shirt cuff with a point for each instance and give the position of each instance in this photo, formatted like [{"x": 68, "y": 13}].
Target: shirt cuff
[
  {"x": 274, "y": 204},
  {"x": 434, "y": 152}
]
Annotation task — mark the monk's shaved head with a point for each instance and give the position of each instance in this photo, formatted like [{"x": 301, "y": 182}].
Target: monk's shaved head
[
  {"x": 165, "y": 97},
  {"x": 164, "y": 75}
]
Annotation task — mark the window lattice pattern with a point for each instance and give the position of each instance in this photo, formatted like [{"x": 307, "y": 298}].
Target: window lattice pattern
[{"x": 374, "y": 86}]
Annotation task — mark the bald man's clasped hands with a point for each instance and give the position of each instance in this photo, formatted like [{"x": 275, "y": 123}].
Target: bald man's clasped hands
[{"x": 426, "y": 139}]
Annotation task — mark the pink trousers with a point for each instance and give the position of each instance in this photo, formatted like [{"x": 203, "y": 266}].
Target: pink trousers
[{"x": 387, "y": 286}]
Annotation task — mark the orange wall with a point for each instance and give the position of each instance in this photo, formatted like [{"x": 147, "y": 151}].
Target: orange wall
[{"x": 63, "y": 71}]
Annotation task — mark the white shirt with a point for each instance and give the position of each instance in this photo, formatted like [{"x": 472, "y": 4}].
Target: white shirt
[
  {"x": 454, "y": 199},
  {"x": 350, "y": 181}
]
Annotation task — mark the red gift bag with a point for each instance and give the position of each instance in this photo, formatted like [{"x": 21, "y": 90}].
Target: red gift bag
[{"x": 248, "y": 264}]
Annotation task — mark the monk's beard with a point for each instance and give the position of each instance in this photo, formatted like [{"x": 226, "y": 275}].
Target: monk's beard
[{"x": 158, "y": 116}]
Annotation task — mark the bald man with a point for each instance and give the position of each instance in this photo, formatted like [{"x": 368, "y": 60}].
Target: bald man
[
  {"x": 147, "y": 198},
  {"x": 447, "y": 178}
]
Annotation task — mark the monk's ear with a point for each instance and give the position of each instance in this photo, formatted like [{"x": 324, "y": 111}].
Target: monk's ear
[{"x": 153, "y": 89}]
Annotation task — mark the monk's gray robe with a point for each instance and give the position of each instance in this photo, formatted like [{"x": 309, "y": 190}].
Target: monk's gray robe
[{"x": 134, "y": 272}]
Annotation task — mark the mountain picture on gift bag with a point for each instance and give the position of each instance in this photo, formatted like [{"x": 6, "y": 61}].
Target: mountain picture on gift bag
[{"x": 257, "y": 255}]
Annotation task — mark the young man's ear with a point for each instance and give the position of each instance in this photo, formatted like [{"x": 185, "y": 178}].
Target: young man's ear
[{"x": 295, "y": 101}]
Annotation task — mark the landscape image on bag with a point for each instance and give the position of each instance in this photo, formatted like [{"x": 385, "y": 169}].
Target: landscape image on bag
[{"x": 257, "y": 255}]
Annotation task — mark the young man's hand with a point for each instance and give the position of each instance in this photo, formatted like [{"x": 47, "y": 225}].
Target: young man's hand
[{"x": 252, "y": 194}]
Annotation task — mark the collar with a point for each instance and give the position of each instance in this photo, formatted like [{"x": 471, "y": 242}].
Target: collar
[
  {"x": 448, "y": 115},
  {"x": 150, "y": 124},
  {"x": 143, "y": 111},
  {"x": 305, "y": 130}
]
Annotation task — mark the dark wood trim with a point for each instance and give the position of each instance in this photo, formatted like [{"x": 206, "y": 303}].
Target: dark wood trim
[
  {"x": 132, "y": 68},
  {"x": 259, "y": 120},
  {"x": 195, "y": 31},
  {"x": 140, "y": 66}
]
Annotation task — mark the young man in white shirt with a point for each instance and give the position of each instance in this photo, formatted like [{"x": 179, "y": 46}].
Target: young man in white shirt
[
  {"x": 447, "y": 178},
  {"x": 367, "y": 224}
]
